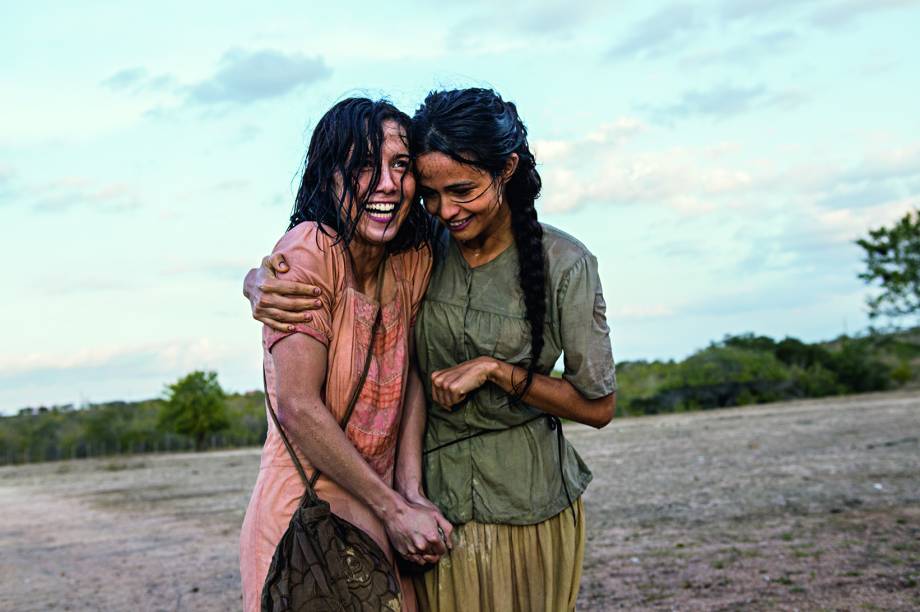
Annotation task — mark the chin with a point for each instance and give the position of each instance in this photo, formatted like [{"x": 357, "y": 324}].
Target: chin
[{"x": 378, "y": 237}]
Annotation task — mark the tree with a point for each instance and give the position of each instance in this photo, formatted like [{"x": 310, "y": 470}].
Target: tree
[
  {"x": 195, "y": 406},
  {"x": 892, "y": 258}
]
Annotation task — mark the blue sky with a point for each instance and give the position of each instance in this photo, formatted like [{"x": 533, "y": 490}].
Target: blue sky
[{"x": 719, "y": 158}]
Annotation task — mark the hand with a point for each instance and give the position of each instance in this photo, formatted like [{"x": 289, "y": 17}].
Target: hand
[
  {"x": 445, "y": 528},
  {"x": 279, "y": 303},
  {"x": 449, "y": 387},
  {"x": 415, "y": 532}
]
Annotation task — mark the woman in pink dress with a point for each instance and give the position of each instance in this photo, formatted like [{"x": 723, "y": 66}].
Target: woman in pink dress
[{"x": 355, "y": 210}]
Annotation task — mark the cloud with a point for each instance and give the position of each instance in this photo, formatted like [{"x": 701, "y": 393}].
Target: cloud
[
  {"x": 221, "y": 269},
  {"x": 556, "y": 16},
  {"x": 639, "y": 311},
  {"x": 607, "y": 166},
  {"x": 723, "y": 101},
  {"x": 66, "y": 193},
  {"x": 248, "y": 76},
  {"x": 137, "y": 371},
  {"x": 843, "y": 12},
  {"x": 739, "y": 10},
  {"x": 137, "y": 79},
  {"x": 66, "y": 285},
  {"x": 125, "y": 79},
  {"x": 515, "y": 24},
  {"x": 758, "y": 47},
  {"x": 7, "y": 176},
  {"x": 72, "y": 192},
  {"x": 241, "y": 77},
  {"x": 666, "y": 29},
  {"x": 680, "y": 24}
]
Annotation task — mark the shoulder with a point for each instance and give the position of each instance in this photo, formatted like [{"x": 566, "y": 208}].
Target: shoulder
[
  {"x": 564, "y": 252},
  {"x": 309, "y": 235},
  {"x": 311, "y": 250}
]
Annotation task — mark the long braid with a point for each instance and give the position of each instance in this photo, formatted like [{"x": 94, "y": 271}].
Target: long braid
[{"x": 521, "y": 191}]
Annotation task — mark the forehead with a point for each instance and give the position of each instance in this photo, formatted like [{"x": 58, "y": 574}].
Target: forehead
[
  {"x": 437, "y": 168},
  {"x": 394, "y": 137}
]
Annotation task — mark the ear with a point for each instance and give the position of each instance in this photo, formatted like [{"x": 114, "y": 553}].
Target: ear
[{"x": 510, "y": 167}]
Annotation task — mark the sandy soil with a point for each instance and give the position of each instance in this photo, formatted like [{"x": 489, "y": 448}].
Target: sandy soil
[{"x": 798, "y": 506}]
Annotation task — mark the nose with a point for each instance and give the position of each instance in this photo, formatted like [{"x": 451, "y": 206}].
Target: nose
[
  {"x": 447, "y": 209},
  {"x": 387, "y": 183}
]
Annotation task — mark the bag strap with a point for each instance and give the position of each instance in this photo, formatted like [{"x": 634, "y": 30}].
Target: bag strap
[{"x": 309, "y": 483}]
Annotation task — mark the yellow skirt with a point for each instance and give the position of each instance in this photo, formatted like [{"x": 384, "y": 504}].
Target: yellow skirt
[{"x": 526, "y": 568}]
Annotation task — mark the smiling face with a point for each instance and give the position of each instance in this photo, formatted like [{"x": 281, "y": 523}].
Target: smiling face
[
  {"x": 387, "y": 202},
  {"x": 464, "y": 197}
]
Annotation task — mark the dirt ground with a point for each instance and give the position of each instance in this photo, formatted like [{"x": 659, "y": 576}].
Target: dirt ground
[{"x": 798, "y": 506}]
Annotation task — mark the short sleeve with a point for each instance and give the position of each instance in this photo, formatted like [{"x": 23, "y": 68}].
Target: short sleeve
[
  {"x": 585, "y": 336},
  {"x": 314, "y": 259},
  {"x": 418, "y": 264}
]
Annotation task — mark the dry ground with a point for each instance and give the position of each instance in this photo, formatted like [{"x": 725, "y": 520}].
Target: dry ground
[{"x": 807, "y": 505}]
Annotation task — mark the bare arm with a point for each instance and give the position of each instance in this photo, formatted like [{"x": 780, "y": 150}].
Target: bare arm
[
  {"x": 278, "y": 303},
  {"x": 300, "y": 362},
  {"x": 556, "y": 396},
  {"x": 412, "y": 431},
  {"x": 408, "y": 477}
]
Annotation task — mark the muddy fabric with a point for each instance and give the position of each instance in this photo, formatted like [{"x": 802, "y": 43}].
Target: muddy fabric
[
  {"x": 343, "y": 325},
  {"x": 514, "y": 476},
  {"x": 513, "y": 568}
]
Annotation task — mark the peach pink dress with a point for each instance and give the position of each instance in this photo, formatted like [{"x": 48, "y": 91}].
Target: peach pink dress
[{"x": 343, "y": 325}]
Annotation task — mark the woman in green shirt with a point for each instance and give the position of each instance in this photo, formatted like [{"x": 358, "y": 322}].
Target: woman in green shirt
[{"x": 507, "y": 297}]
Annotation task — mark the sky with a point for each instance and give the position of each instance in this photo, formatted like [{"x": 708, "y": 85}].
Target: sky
[{"x": 719, "y": 158}]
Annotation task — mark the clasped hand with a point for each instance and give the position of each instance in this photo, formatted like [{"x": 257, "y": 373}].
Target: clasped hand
[
  {"x": 419, "y": 532},
  {"x": 451, "y": 386}
]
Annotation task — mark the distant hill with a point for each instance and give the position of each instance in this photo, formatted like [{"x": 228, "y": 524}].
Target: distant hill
[
  {"x": 738, "y": 370},
  {"x": 750, "y": 369},
  {"x": 64, "y": 432}
]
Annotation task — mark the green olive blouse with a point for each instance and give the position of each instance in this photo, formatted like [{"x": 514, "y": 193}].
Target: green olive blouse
[{"x": 513, "y": 475}]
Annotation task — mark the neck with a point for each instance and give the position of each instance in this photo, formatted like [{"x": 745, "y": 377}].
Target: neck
[
  {"x": 365, "y": 260},
  {"x": 490, "y": 243}
]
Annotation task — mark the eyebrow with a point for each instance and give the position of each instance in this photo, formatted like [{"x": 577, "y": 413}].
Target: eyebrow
[{"x": 460, "y": 185}]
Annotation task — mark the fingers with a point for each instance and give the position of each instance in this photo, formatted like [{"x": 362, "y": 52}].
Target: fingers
[
  {"x": 447, "y": 389},
  {"x": 280, "y": 319},
  {"x": 446, "y": 529},
  {"x": 276, "y": 263},
  {"x": 289, "y": 288},
  {"x": 291, "y": 304},
  {"x": 275, "y": 325}
]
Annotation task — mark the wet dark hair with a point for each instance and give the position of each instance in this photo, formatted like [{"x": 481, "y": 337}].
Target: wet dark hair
[
  {"x": 476, "y": 127},
  {"x": 345, "y": 140}
]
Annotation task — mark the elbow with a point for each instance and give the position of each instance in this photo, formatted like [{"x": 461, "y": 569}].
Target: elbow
[
  {"x": 247, "y": 280},
  {"x": 606, "y": 408},
  {"x": 292, "y": 415}
]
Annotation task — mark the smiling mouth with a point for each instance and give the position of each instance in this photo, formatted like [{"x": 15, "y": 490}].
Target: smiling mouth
[
  {"x": 459, "y": 224},
  {"x": 381, "y": 212}
]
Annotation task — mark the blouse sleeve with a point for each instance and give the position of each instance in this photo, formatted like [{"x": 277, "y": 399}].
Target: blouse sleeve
[
  {"x": 583, "y": 329},
  {"x": 312, "y": 258}
]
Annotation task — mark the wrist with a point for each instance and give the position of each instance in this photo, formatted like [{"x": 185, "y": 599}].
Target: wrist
[
  {"x": 389, "y": 505},
  {"x": 410, "y": 488},
  {"x": 492, "y": 369}
]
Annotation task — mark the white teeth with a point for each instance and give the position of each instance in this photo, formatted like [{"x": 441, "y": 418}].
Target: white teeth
[
  {"x": 381, "y": 208},
  {"x": 456, "y": 223}
]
